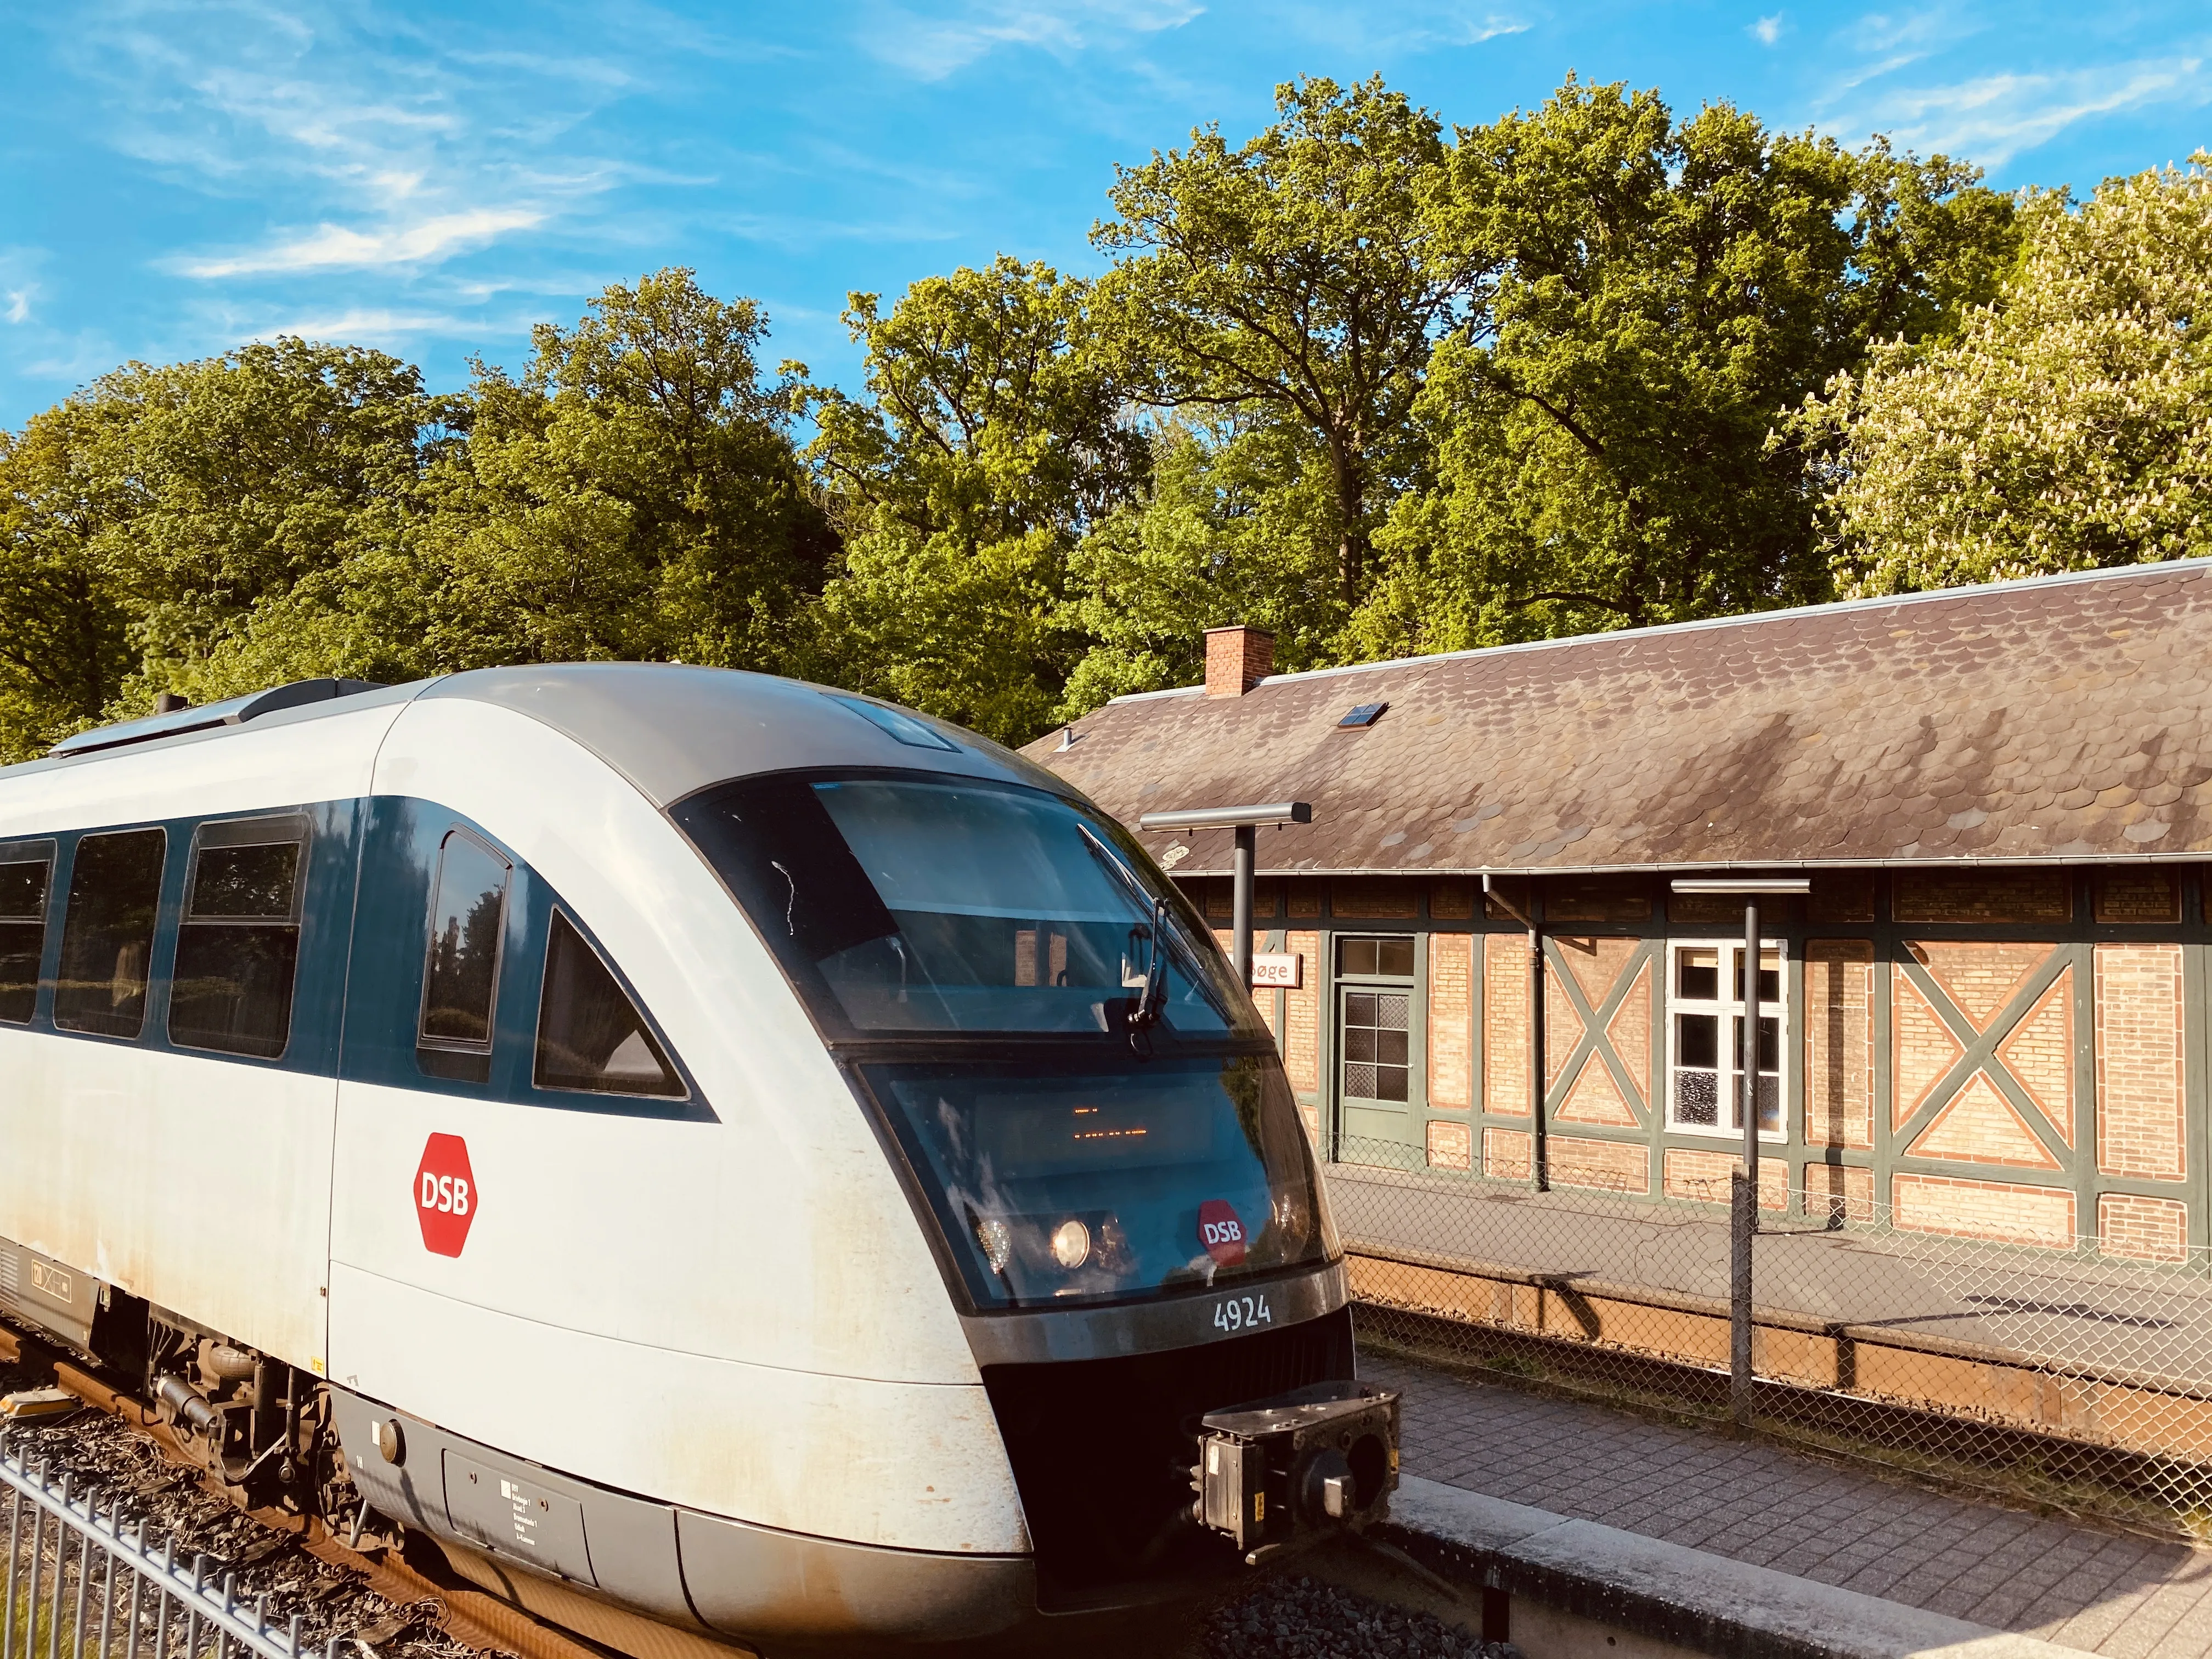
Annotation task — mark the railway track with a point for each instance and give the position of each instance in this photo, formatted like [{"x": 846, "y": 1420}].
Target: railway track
[
  {"x": 391, "y": 1594},
  {"x": 408, "y": 1603}
]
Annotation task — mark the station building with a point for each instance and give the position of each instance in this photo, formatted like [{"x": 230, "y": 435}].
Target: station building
[{"x": 1989, "y": 1014}]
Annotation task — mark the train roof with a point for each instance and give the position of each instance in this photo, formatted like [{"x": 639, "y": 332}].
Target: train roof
[{"x": 671, "y": 729}]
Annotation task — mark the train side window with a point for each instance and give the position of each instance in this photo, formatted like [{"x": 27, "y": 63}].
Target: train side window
[
  {"x": 460, "y": 977},
  {"x": 26, "y": 870},
  {"x": 237, "y": 944},
  {"x": 108, "y": 933},
  {"x": 590, "y": 1035}
]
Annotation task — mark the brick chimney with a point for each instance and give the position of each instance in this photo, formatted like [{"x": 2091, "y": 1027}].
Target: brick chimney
[{"x": 1236, "y": 659}]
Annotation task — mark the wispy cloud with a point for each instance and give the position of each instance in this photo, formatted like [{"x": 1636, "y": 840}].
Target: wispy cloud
[
  {"x": 1990, "y": 118},
  {"x": 365, "y": 325},
  {"x": 1767, "y": 31},
  {"x": 334, "y": 247},
  {"x": 931, "y": 48},
  {"x": 18, "y": 309},
  {"x": 407, "y": 147},
  {"x": 1402, "y": 30}
]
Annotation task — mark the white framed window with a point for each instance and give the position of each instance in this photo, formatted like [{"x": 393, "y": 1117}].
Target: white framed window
[{"x": 1705, "y": 1037}]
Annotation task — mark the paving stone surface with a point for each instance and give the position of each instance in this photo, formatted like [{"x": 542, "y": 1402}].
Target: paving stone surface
[{"x": 2109, "y": 1593}]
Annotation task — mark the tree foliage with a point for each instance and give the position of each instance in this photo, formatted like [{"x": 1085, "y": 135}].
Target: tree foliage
[
  {"x": 1296, "y": 278},
  {"x": 1661, "y": 291},
  {"x": 988, "y": 444},
  {"x": 156, "y": 519},
  {"x": 1382, "y": 385},
  {"x": 2067, "y": 428},
  {"x": 633, "y": 494}
]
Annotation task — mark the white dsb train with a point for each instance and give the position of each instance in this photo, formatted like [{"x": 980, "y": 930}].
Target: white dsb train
[{"x": 719, "y": 1155}]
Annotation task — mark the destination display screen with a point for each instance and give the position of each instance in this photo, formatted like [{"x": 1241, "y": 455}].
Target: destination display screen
[{"x": 1058, "y": 1186}]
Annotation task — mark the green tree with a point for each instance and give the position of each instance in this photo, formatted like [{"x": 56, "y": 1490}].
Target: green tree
[
  {"x": 989, "y": 439},
  {"x": 1225, "y": 533},
  {"x": 2067, "y": 428},
  {"x": 1660, "y": 294},
  {"x": 1275, "y": 306},
  {"x": 635, "y": 493},
  {"x": 159, "y": 519},
  {"x": 64, "y": 645}
]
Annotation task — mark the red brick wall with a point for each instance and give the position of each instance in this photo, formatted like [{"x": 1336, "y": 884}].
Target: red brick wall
[
  {"x": 1614, "y": 1166},
  {"x": 1597, "y": 963},
  {"x": 1449, "y": 1145},
  {"x": 1831, "y": 1188},
  {"x": 1390, "y": 898},
  {"x": 1841, "y": 895},
  {"x": 2039, "y": 1054},
  {"x": 1979, "y": 1123},
  {"x": 1219, "y": 895},
  {"x": 1452, "y": 899},
  {"x": 2137, "y": 893},
  {"x": 1505, "y": 1154},
  {"x": 1451, "y": 1020},
  {"x": 2145, "y": 1228},
  {"x": 2002, "y": 895},
  {"x": 1706, "y": 1177},
  {"x": 1983, "y": 1209},
  {"x": 1598, "y": 898},
  {"x": 2139, "y": 1094},
  {"x": 1630, "y": 1032},
  {"x": 1838, "y": 1022},
  {"x": 1922, "y": 1048},
  {"x": 1302, "y": 1032},
  {"x": 1505, "y": 1025}
]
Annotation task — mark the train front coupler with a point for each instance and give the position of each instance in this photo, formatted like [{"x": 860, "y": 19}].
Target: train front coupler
[{"x": 1276, "y": 1473}]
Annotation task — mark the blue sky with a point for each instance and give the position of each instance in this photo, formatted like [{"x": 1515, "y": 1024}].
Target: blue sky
[{"x": 175, "y": 179}]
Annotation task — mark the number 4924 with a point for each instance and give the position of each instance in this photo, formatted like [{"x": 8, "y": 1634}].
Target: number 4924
[{"x": 1241, "y": 1312}]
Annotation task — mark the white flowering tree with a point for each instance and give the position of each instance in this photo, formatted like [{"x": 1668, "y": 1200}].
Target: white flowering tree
[{"x": 2066, "y": 427}]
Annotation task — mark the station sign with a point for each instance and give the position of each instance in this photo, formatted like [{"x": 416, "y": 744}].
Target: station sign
[{"x": 1277, "y": 969}]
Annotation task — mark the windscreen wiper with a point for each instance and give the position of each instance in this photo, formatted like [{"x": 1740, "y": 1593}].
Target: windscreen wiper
[
  {"x": 1148, "y": 940},
  {"x": 1152, "y": 984}
]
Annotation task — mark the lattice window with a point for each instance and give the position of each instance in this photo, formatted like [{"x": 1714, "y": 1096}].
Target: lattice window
[{"x": 1705, "y": 1037}]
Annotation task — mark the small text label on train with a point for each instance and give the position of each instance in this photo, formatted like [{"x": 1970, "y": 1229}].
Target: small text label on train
[
  {"x": 1221, "y": 1232},
  {"x": 1241, "y": 1313},
  {"x": 445, "y": 1194}
]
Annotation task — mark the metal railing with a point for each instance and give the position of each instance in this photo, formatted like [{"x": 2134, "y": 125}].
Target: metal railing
[
  {"x": 1975, "y": 1348},
  {"x": 81, "y": 1581}
]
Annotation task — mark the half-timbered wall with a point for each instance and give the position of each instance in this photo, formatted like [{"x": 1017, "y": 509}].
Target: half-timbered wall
[{"x": 2017, "y": 1054}]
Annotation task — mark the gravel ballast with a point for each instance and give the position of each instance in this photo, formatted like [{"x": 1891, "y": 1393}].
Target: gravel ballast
[
  {"x": 123, "y": 1470},
  {"x": 1301, "y": 1618}
]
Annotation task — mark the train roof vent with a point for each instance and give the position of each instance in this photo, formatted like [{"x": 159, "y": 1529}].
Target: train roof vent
[{"x": 233, "y": 711}]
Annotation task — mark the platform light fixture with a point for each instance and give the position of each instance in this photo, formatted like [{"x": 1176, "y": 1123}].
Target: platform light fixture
[
  {"x": 1743, "y": 1209},
  {"x": 1246, "y": 821}
]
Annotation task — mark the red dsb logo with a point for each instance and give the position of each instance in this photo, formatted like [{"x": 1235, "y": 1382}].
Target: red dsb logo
[
  {"x": 445, "y": 1194},
  {"x": 1221, "y": 1232}
]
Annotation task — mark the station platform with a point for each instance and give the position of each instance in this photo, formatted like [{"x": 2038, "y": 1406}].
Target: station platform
[{"x": 1757, "y": 1502}]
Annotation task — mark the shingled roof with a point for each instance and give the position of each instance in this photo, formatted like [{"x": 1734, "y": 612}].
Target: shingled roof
[{"x": 2065, "y": 718}]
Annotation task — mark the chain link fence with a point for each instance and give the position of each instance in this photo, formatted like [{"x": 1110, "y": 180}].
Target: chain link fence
[
  {"x": 2077, "y": 1374},
  {"x": 81, "y": 1582}
]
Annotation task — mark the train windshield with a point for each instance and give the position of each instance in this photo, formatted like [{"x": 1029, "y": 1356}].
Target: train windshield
[
  {"x": 1055, "y": 1186},
  {"x": 910, "y": 905}
]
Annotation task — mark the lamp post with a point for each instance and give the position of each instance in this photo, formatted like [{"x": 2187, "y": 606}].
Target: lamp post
[
  {"x": 1246, "y": 821},
  {"x": 1743, "y": 1181}
]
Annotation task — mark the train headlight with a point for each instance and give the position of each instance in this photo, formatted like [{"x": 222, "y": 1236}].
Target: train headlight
[
  {"x": 1071, "y": 1244},
  {"x": 998, "y": 1242}
]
